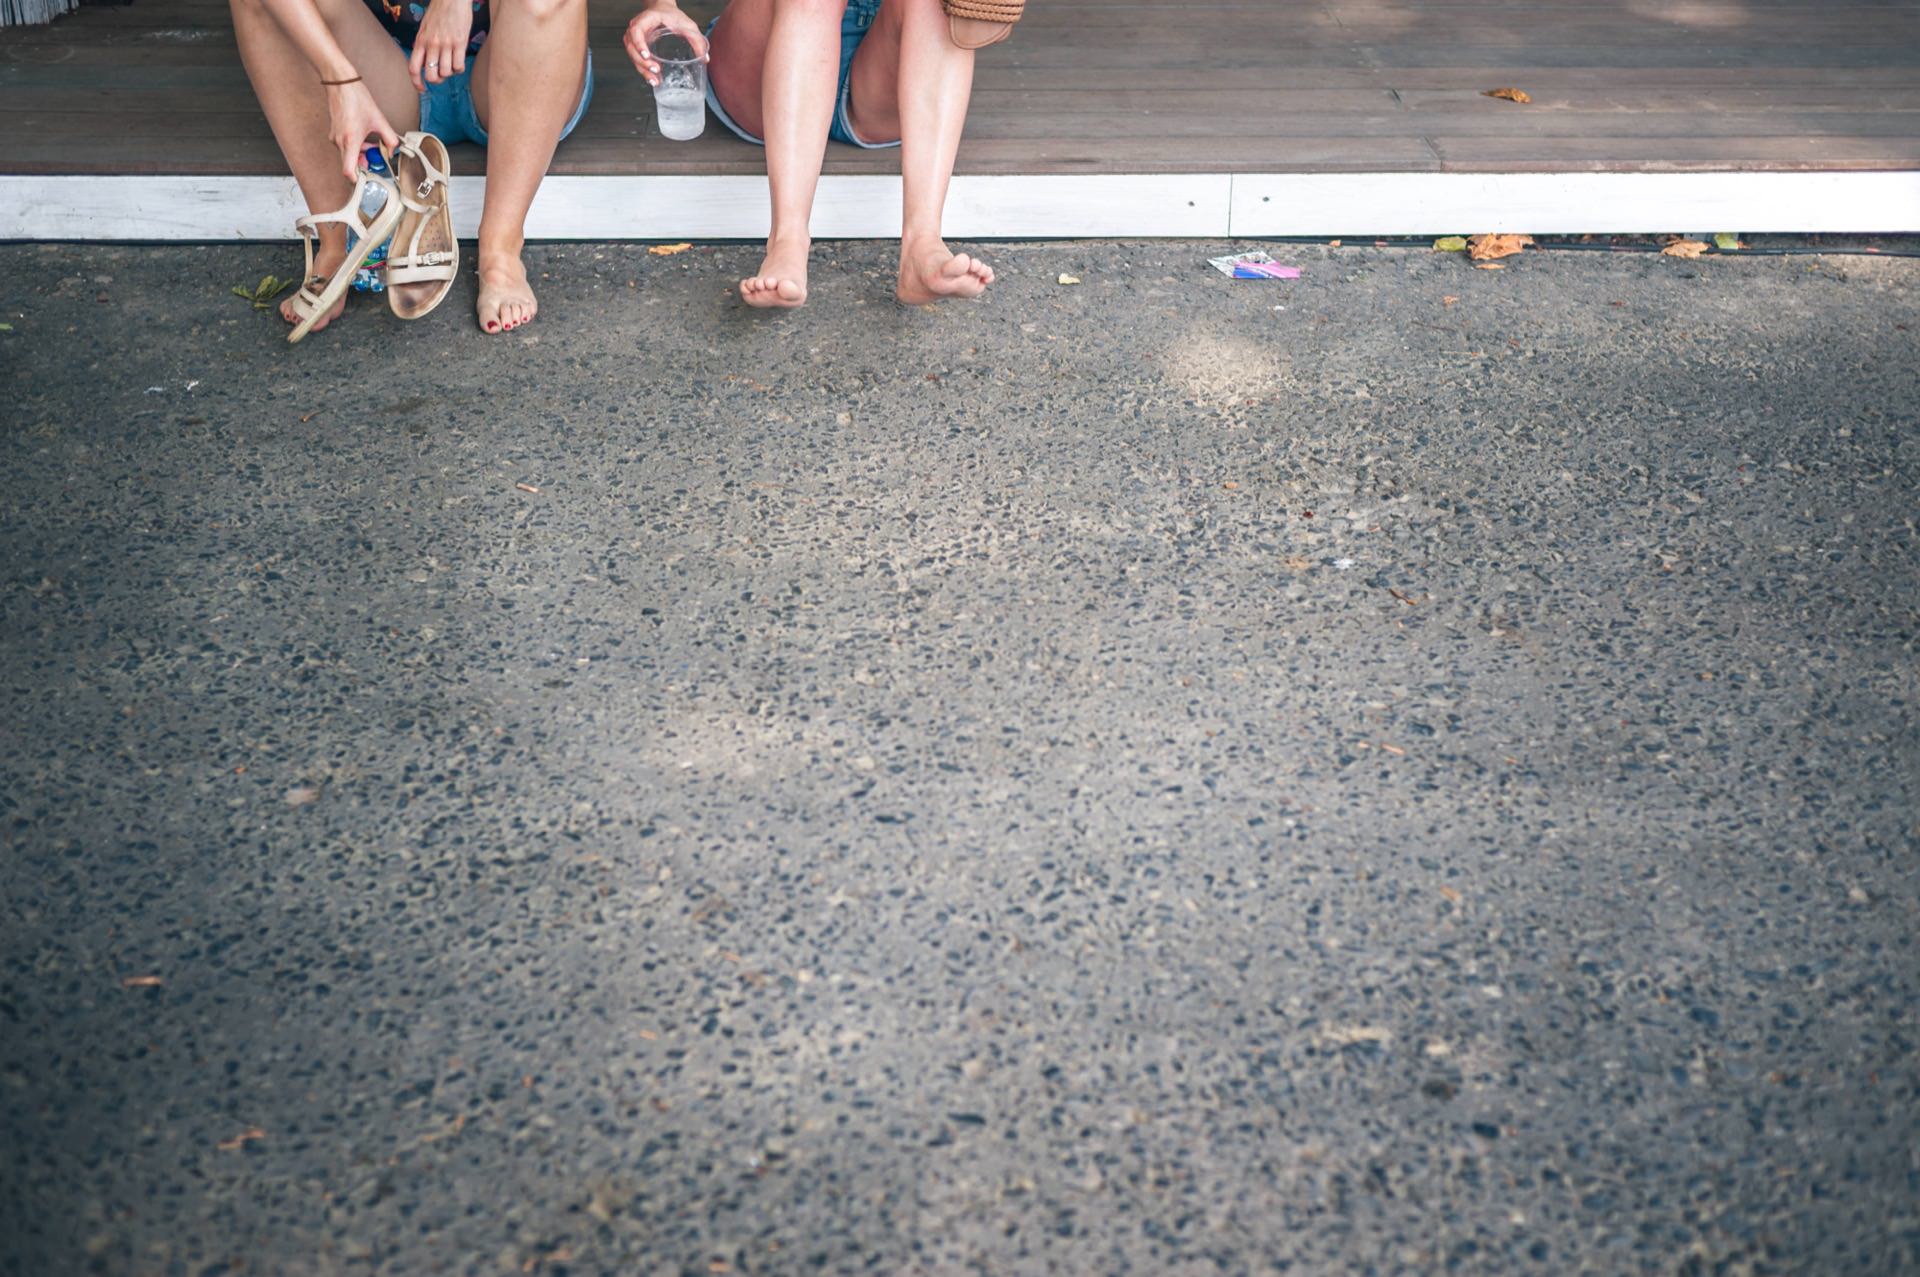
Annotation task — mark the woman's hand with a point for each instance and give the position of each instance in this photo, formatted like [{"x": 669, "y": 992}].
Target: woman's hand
[
  {"x": 440, "y": 48},
  {"x": 662, "y": 16},
  {"x": 355, "y": 117}
]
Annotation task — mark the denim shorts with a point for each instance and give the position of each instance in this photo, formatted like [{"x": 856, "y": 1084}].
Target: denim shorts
[
  {"x": 446, "y": 108},
  {"x": 853, "y": 29}
]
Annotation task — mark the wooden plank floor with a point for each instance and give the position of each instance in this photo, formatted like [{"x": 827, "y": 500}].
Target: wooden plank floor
[{"x": 1097, "y": 86}]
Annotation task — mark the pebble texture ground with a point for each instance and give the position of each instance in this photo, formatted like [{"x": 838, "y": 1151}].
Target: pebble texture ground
[{"x": 1408, "y": 771}]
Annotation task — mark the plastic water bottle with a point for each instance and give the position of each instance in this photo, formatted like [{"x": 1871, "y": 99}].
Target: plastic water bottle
[{"x": 372, "y": 275}]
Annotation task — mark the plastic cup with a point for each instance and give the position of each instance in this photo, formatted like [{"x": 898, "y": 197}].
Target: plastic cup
[{"x": 680, "y": 99}]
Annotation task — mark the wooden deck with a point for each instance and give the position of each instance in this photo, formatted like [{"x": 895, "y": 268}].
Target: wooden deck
[{"x": 1211, "y": 101}]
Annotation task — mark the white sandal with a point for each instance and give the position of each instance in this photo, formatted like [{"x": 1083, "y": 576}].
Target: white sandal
[
  {"x": 425, "y": 255},
  {"x": 310, "y": 304}
]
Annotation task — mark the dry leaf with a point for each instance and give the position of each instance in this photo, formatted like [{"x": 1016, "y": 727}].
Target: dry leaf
[
  {"x": 1448, "y": 300},
  {"x": 1296, "y": 563},
  {"x": 1453, "y": 897},
  {"x": 1687, "y": 248},
  {"x": 142, "y": 982},
  {"x": 1485, "y": 248},
  {"x": 242, "y": 1139},
  {"x": 1489, "y": 265},
  {"x": 301, "y": 795},
  {"x": 1066, "y": 279},
  {"x": 1450, "y": 244},
  {"x": 1231, "y": 486},
  {"x": 1511, "y": 95},
  {"x": 668, "y": 250}
]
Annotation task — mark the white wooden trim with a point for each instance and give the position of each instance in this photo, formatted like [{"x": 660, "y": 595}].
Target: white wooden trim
[
  {"x": 1573, "y": 203},
  {"x": 615, "y": 208},
  {"x": 1207, "y": 205}
]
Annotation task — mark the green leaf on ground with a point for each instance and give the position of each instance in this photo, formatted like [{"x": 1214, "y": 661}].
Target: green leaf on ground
[
  {"x": 1726, "y": 241},
  {"x": 6, "y": 328},
  {"x": 1450, "y": 244},
  {"x": 263, "y": 293}
]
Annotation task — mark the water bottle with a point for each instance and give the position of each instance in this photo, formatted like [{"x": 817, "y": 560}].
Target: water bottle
[{"x": 372, "y": 275}]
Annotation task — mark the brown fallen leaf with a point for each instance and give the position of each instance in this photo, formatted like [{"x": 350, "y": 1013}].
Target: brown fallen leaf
[
  {"x": 1509, "y": 94},
  {"x": 142, "y": 982},
  {"x": 527, "y": 487},
  {"x": 1687, "y": 248},
  {"x": 1485, "y": 248},
  {"x": 1231, "y": 486},
  {"x": 242, "y": 1139},
  {"x": 1296, "y": 563},
  {"x": 1448, "y": 301},
  {"x": 1452, "y": 896},
  {"x": 301, "y": 796},
  {"x": 1489, "y": 265},
  {"x": 668, "y": 250}
]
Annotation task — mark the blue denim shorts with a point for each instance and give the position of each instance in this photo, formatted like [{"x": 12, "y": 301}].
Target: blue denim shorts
[
  {"x": 446, "y": 108},
  {"x": 853, "y": 29}
]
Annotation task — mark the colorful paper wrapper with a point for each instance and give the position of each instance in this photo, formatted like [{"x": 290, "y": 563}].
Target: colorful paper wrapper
[{"x": 1253, "y": 266}]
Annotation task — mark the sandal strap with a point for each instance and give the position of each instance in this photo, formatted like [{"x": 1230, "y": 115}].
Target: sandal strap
[
  {"x": 307, "y": 300},
  {"x": 423, "y": 268},
  {"x": 413, "y": 144},
  {"x": 348, "y": 214}
]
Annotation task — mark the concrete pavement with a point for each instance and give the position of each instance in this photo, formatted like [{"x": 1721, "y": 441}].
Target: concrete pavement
[{"x": 1406, "y": 771}]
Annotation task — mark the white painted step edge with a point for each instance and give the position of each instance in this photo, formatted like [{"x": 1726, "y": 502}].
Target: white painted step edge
[{"x": 1204, "y": 205}]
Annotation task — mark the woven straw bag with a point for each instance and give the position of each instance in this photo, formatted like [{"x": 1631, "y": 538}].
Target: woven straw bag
[{"x": 978, "y": 23}]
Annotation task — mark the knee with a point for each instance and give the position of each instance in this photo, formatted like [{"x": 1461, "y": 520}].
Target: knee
[{"x": 547, "y": 10}]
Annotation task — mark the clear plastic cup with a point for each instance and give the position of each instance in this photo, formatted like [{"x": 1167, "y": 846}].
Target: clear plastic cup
[{"x": 680, "y": 99}]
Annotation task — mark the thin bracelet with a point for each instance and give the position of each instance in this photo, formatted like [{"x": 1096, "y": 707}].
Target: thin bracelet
[{"x": 338, "y": 83}]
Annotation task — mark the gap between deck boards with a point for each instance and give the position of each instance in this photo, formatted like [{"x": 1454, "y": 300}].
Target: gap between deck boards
[{"x": 1092, "y": 206}]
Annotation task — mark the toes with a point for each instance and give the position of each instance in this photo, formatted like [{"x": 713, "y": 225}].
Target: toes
[
  {"x": 790, "y": 291},
  {"x": 957, "y": 266}
]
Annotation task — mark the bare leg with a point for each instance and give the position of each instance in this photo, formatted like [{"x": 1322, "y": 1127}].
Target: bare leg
[
  {"x": 527, "y": 80},
  {"x": 911, "y": 81},
  {"x": 792, "y": 49},
  {"x": 296, "y": 106}
]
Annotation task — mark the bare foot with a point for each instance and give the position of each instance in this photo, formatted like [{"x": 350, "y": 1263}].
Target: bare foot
[
  {"x": 782, "y": 281},
  {"x": 326, "y": 260},
  {"x": 506, "y": 299},
  {"x": 928, "y": 272}
]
